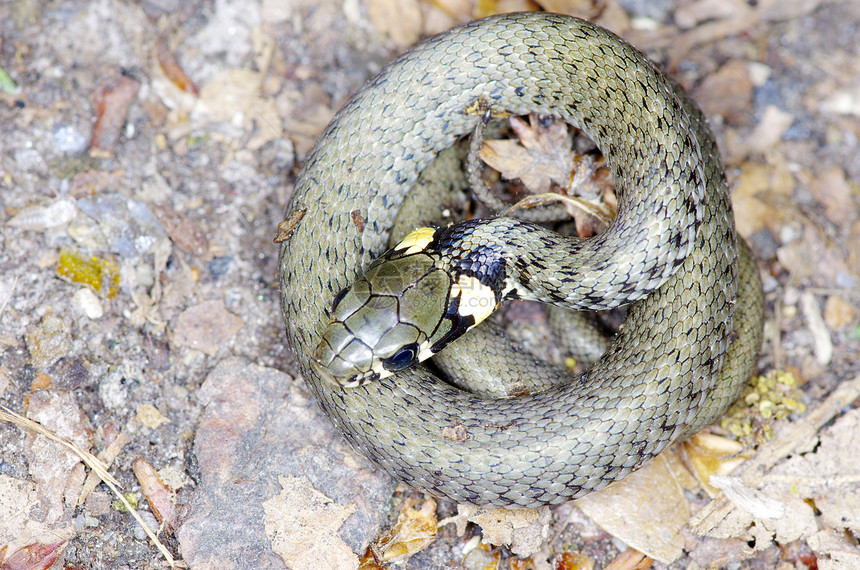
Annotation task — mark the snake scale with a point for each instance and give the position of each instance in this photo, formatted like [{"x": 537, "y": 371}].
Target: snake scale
[{"x": 692, "y": 333}]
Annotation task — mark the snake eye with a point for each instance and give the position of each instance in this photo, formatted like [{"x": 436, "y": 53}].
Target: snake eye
[{"x": 401, "y": 359}]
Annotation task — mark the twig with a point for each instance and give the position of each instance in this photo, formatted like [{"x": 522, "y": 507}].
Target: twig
[{"x": 98, "y": 467}]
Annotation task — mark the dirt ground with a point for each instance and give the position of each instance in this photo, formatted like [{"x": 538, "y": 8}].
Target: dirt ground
[{"x": 147, "y": 152}]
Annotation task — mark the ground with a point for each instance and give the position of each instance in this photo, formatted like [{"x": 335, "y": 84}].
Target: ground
[{"x": 148, "y": 150}]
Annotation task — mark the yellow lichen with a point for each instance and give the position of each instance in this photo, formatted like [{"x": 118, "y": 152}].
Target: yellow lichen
[
  {"x": 101, "y": 275},
  {"x": 773, "y": 396}
]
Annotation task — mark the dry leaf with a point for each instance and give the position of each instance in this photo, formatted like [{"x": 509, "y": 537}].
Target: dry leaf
[
  {"x": 838, "y": 313},
  {"x": 524, "y": 530},
  {"x": 302, "y": 525},
  {"x": 234, "y": 98},
  {"x": 306, "y": 115},
  {"x": 753, "y": 211},
  {"x": 543, "y": 155},
  {"x": 690, "y": 14},
  {"x": 21, "y": 523},
  {"x": 415, "y": 529},
  {"x": 770, "y": 503},
  {"x": 149, "y": 416},
  {"x": 774, "y": 122},
  {"x": 57, "y": 471},
  {"x": 646, "y": 510},
  {"x": 484, "y": 8},
  {"x": 835, "y": 193},
  {"x": 711, "y": 455},
  {"x": 32, "y": 557},
  {"x": 573, "y": 561},
  {"x": 580, "y": 8},
  {"x": 171, "y": 69},
  {"x": 185, "y": 232},
  {"x": 728, "y": 92},
  {"x": 398, "y": 19}
]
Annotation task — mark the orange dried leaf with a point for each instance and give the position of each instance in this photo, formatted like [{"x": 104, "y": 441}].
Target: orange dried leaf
[
  {"x": 574, "y": 561},
  {"x": 171, "y": 69}
]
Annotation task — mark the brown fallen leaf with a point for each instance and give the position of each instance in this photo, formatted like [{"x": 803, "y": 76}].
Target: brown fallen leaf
[
  {"x": 523, "y": 530},
  {"x": 587, "y": 9},
  {"x": 708, "y": 455},
  {"x": 398, "y": 19},
  {"x": 32, "y": 557},
  {"x": 485, "y": 8},
  {"x": 728, "y": 92},
  {"x": 574, "y": 561},
  {"x": 112, "y": 103},
  {"x": 161, "y": 498},
  {"x": 835, "y": 193},
  {"x": 838, "y": 312},
  {"x": 185, "y": 232},
  {"x": 543, "y": 155}
]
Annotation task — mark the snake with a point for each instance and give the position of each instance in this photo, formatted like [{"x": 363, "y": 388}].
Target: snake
[{"x": 694, "y": 321}]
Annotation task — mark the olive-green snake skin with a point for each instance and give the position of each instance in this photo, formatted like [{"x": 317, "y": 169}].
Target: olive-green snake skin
[{"x": 689, "y": 342}]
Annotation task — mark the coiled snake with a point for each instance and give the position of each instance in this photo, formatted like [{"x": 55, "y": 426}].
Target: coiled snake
[{"x": 692, "y": 334}]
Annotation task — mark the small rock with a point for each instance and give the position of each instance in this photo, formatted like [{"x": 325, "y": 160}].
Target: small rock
[
  {"x": 45, "y": 216},
  {"x": 87, "y": 303},
  {"x": 258, "y": 428},
  {"x": 838, "y": 313},
  {"x": 98, "y": 503},
  {"x": 48, "y": 341},
  {"x": 70, "y": 140},
  {"x": 206, "y": 327}
]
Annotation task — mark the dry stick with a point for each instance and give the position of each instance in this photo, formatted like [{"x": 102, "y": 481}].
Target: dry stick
[
  {"x": 97, "y": 466},
  {"x": 9, "y": 296}
]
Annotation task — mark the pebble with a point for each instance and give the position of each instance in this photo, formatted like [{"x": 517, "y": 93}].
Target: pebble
[
  {"x": 70, "y": 140},
  {"x": 45, "y": 217},
  {"x": 88, "y": 303}
]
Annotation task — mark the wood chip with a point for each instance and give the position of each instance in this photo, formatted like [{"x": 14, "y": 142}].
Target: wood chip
[
  {"x": 112, "y": 102},
  {"x": 161, "y": 498}
]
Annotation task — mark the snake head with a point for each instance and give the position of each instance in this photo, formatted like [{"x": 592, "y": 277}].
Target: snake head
[{"x": 405, "y": 308}]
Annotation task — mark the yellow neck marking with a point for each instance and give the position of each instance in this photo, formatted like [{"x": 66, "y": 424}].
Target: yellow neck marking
[
  {"x": 476, "y": 299},
  {"x": 416, "y": 241}
]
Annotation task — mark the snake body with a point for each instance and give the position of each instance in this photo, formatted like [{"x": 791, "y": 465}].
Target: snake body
[{"x": 692, "y": 334}]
